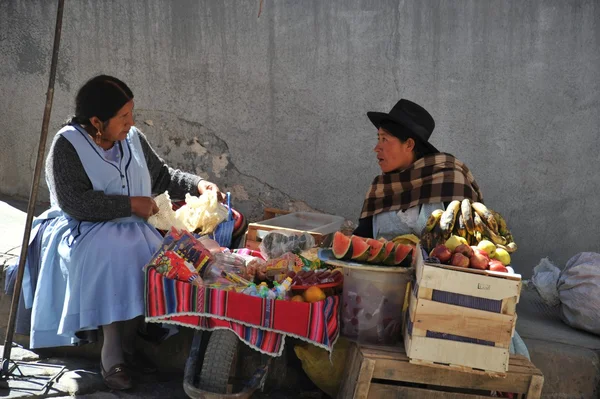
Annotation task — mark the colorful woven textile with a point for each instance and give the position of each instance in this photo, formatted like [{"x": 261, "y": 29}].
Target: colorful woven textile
[{"x": 260, "y": 323}]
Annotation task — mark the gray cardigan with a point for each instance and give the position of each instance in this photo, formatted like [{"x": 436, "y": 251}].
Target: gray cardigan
[{"x": 70, "y": 186}]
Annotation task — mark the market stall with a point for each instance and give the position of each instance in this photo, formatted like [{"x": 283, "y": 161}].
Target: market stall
[{"x": 259, "y": 295}]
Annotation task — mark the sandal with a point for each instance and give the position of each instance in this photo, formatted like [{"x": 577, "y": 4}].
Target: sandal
[
  {"x": 139, "y": 362},
  {"x": 116, "y": 377}
]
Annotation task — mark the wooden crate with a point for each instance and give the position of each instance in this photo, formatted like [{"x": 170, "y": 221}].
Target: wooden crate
[
  {"x": 461, "y": 318},
  {"x": 377, "y": 372}
]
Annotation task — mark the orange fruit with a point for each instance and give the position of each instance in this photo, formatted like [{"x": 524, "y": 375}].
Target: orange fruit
[
  {"x": 314, "y": 294},
  {"x": 297, "y": 298}
]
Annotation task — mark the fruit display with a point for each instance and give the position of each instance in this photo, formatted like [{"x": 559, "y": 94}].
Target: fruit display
[
  {"x": 483, "y": 256},
  {"x": 472, "y": 222},
  {"x": 398, "y": 252}
]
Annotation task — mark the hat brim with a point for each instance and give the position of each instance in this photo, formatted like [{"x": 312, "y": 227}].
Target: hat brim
[{"x": 377, "y": 118}]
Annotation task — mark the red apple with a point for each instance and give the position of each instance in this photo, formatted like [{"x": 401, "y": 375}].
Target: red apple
[
  {"x": 442, "y": 253},
  {"x": 479, "y": 259},
  {"x": 459, "y": 260},
  {"x": 464, "y": 249},
  {"x": 497, "y": 266}
]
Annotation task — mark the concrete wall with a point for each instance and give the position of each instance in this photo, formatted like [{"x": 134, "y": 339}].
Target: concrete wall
[{"x": 273, "y": 108}]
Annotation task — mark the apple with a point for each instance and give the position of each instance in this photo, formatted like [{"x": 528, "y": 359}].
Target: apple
[
  {"x": 487, "y": 246},
  {"x": 503, "y": 256},
  {"x": 464, "y": 249},
  {"x": 497, "y": 266},
  {"x": 442, "y": 253},
  {"x": 454, "y": 241},
  {"x": 479, "y": 260},
  {"x": 459, "y": 260}
]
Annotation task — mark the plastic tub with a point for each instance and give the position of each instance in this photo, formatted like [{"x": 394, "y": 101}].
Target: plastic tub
[{"x": 373, "y": 300}]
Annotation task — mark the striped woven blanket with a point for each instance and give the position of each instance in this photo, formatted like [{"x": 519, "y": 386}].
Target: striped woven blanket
[{"x": 260, "y": 323}]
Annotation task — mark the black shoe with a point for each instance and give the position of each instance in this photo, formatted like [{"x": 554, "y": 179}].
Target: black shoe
[{"x": 116, "y": 377}]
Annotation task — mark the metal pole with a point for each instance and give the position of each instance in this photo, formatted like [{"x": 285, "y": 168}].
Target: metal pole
[{"x": 34, "y": 190}]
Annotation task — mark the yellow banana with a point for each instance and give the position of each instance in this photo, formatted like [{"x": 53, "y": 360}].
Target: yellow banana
[
  {"x": 508, "y": 247},
  {"x": 437, "y": 236},
  {"x": 427, "y": 241},
  {"x": 478, "y": 223},
  {"x": 449, "y": 217},
  {"x": 495, "y": 238},
  {"x": 433, "y": 219},
  {"x": 409, "y": 239},
  {"x": 478, "y": 237},
  {"x": 485, "y": 215},
  {"x": 502, "y": 227},
  {"x": 460, "y": 226},
  {"x": 467, "y": 214}
]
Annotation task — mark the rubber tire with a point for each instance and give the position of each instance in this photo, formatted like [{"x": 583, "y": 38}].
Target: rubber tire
[{"x": 217, "y": 362}]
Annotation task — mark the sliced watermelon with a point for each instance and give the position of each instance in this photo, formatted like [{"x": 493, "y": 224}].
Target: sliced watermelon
[
  {"x": 390, "y": 250},
  {"x": 360, "y": 249},
  {"x": 377, "y": 251},
  {"x": 342, "y": 246},
  {"x": 403, "y": 255}
]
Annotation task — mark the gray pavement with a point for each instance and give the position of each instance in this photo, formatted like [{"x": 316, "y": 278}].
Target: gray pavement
[{"x": 569, "y": 359}]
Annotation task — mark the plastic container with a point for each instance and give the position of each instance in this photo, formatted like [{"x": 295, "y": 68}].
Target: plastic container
[
  {"x": 373, "y": 300},
  {"x": 307, "y": 221}
]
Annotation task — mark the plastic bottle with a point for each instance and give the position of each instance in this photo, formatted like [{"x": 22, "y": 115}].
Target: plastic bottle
[
  {"x": 250, "y": 290},
  {"x": 282, "y": 289}
]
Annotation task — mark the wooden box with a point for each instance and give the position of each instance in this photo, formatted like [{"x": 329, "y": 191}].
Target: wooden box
[
  {"x": 320, "y": 226},
  {"x": 386, "y": 372},
  {"x": 256, "y": 232},
  {"x": 461, "y": 318}
]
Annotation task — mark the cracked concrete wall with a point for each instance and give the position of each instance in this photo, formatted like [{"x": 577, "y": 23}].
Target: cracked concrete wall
[{"x": 273, "y": 108}]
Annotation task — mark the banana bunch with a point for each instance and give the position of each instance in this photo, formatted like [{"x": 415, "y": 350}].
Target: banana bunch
[{"x": 470, "y": 220}]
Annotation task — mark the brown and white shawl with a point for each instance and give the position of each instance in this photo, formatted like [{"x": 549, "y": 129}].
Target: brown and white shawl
[{"x": 432, "y": 179}]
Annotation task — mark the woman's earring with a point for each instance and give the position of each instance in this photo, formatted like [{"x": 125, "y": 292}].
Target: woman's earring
[{"x": 98, "y": 138}]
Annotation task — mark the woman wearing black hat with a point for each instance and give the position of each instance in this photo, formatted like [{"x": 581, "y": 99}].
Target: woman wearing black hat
[
  {"x": 95, "y": 240},
  {"x": 416, "y": 180}
]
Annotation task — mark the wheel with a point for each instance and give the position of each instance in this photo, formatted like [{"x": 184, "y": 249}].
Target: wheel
[{"x": 218, "y": 361}]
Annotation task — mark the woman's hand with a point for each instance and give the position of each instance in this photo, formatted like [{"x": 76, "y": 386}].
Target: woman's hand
[
  {"x": 205, "y": 186},
  {"x": 143, "y": 207}
]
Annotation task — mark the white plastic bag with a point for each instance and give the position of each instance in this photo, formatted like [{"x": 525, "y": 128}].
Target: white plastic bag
[
  {"x": 165, "y": 218},
  {"x": 204, "y": 212},
  {"x": 579, "y": 292},
  {"x": 545, "y": 278}
]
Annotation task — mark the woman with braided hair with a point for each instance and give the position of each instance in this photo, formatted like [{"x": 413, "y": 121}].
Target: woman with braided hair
[{"x": 95, "y": 240}]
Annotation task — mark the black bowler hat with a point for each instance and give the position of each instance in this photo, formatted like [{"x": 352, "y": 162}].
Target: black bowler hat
[{"x": 412, "y": 117}]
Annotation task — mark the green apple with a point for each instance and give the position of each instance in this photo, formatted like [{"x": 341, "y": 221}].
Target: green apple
[
  {"x": 503, "y": 256},
  {"x": 454, "y": 241},
  {"x": 488, "y": 247}
]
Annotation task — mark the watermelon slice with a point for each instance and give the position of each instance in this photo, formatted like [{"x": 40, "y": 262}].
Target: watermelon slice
[
  {"x": 342, "y": 246},
  {"x": 403, "y": 255},
  {"x": 360, "y": 249},
  {"x": 390, "y": 250},
  {"x": 377, "y": 251}
]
